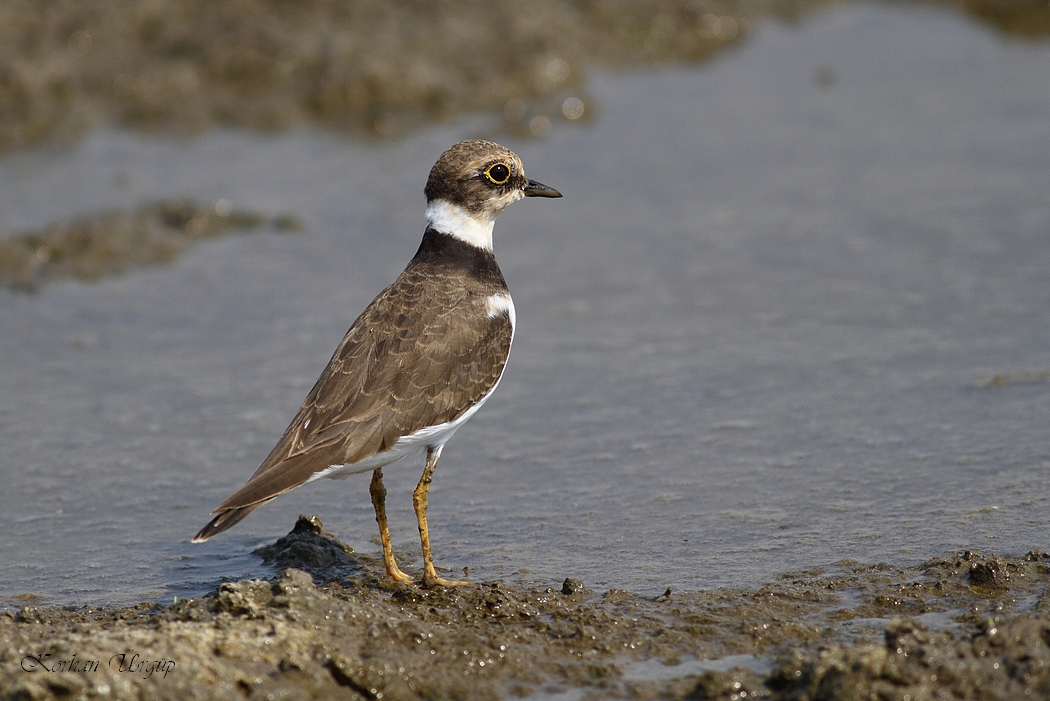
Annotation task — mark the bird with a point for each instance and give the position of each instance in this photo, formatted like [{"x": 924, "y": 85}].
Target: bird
[{"x": 417, "y": 363}]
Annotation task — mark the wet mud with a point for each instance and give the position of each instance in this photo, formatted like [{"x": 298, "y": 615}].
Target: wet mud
[{"x": 970, "y": 626}]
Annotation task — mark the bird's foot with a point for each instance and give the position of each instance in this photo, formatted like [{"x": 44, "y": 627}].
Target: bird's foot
[
  {"x": 398, "y": 576},
  {"x": 432, "y": 581}
]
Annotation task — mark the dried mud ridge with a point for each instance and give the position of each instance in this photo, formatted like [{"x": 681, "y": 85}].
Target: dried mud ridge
[{"x": 967, "y": 627}]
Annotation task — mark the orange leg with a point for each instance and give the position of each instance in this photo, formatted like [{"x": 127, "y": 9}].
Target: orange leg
[
  {"x": 378, "y": 492},
  {"x": 419, "y": 500}
]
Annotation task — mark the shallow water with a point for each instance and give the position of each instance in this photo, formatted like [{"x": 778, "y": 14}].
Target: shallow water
[{"x": 756, "y": 335}]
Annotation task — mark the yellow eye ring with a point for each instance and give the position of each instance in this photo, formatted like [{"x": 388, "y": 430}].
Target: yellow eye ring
[{"x": 498, "y": 173}]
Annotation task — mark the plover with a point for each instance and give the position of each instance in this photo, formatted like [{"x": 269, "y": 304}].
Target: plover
[{"x": 418, "y": 362}]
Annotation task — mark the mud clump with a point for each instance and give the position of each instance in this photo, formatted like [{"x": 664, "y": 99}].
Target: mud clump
[
  {"x": 988, "y": 571},
  {"x": 307, "y": 547},
  {"x": 860, "y": 632}
]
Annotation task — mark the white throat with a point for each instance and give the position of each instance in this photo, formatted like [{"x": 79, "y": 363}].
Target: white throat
[{"x": 451, "y": 219}]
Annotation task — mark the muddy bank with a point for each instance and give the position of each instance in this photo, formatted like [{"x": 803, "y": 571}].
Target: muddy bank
[
  {"x": 109, "y": 243},
  {"x": 364, "y": 67},
  {"x": 971, "y": 626},
  {"x": 1024, "y": 19}
]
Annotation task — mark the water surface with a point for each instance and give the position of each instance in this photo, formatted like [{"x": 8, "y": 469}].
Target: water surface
[{"x": 755, "y": 336}]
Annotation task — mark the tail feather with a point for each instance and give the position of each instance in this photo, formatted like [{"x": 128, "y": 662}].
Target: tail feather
[{"x": 227, "y": 518}]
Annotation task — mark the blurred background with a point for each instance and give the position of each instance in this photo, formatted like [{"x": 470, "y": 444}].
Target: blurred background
[{"x": 793, "y": 309}]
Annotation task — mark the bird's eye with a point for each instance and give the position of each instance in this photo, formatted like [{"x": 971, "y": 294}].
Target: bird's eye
[{"x": 498, "y": 173}]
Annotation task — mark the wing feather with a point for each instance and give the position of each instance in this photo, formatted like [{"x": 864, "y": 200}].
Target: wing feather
[{"x": 422, "y": 353}]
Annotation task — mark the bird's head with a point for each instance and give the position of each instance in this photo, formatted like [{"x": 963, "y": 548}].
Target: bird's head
[{"x": 471, "y": 183}]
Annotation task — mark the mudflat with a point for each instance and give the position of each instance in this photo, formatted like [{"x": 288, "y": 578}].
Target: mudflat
[{"x": 973, "y": 626}]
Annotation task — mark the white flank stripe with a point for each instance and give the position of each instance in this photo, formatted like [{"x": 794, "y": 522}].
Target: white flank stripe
[
  {"x": 498, "y": 304},
  {"x": 455, "y": 221}
]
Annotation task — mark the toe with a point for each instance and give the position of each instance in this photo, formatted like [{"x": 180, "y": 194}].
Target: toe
[{"x": 435, "y": 582}]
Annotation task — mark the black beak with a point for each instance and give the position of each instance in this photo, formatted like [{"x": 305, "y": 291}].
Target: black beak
[{"x": 535, "y": 189}]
